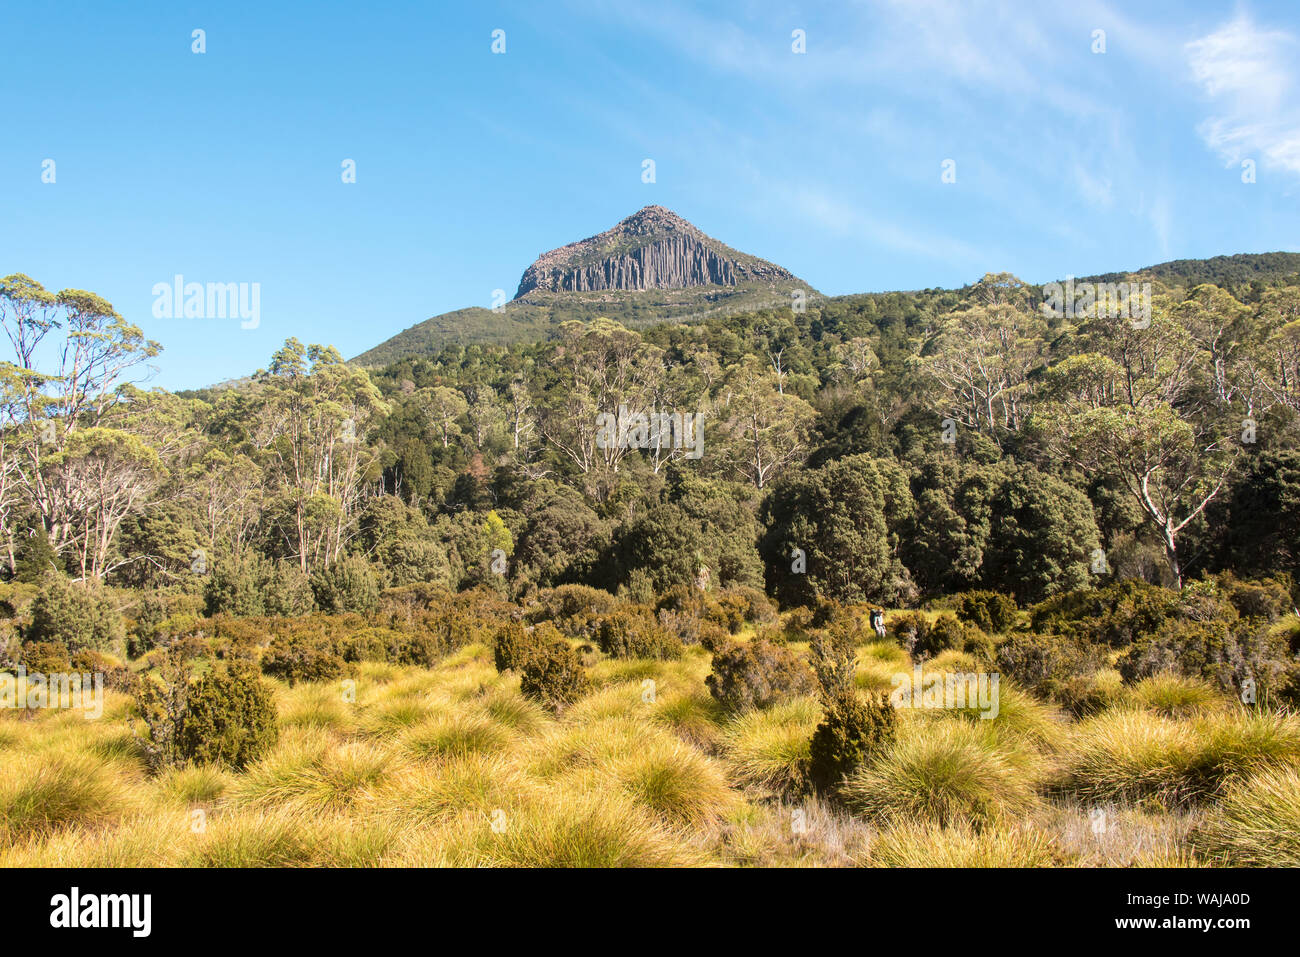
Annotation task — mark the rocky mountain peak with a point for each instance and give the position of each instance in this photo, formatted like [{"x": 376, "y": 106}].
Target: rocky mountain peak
[{"x": 654, "y": 248}]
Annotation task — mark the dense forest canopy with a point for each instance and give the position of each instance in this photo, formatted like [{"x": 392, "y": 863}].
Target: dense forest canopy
[{"x": 904, "y": 444}]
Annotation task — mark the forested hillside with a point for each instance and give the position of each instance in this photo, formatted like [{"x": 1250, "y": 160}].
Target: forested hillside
[{"x": 986, "y": 441}]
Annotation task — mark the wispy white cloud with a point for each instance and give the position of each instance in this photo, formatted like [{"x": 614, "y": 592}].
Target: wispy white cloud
[
  {"x": 1251, "y": 76},
  {"x": 845, "y": 218}
]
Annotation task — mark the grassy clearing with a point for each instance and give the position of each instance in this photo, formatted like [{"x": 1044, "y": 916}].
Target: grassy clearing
[{"x": 451, "y": 766}]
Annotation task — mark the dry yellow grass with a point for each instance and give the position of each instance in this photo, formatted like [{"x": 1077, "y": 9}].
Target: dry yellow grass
[{"x": 451, "y": 766}]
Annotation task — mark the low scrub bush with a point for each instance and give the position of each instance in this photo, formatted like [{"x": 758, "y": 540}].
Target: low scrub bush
[
  {"x": 300, "y": 658},
  {"x": 1052, "y": 666},
  {"x": 634, "y": 632},
  {"x": 853, "y": 729},
  {"x": 923, "y": 637},
  {"x": 227, "y": 716},
  {"x": 554, "y": 676},
  {"x": 46, "y": 657},
  {"x": 757, "y": 674},
  {"x": 1116, "y": 615},
  {"x": 74, "y": 613},
  {"x": 574, "y": 609},
  {"x": 516, "y": 645},
  {"x": 989, "y": 611},
  {"x": 1233, "y": 655}
]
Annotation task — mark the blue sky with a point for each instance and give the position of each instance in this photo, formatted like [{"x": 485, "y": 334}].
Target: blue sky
[{"x": 225, "y": 166}]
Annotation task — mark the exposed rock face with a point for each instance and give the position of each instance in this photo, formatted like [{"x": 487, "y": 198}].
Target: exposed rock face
[{"x": 651, "y": 249}]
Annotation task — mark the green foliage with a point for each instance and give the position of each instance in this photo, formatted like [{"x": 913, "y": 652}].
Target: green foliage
[
  {"x": 299, "y": 657},
  {"x": 852, "y": 730},
  {"x": 988, "y": 610},
  {"x": 757, "y": 674},
  {"x": 46, "y": 657},
  {"x": 924, "y": 637},
  {"x": 227, "y": 716},
  {"x": 1115, "y": 615},
  {"x": 1234, "y": 655},
  {"x": 1053, "y": 666},
  {"x": 77, "y": 614},
  {"x": 554, "y": 676},
  {"x": 1041, "y": 538},
  {"x": 635, "y": 632},
  {"x": 835, "y": 516},
  {"x": 347, "y": 585},
  {"x": 36, "y": 558},
  {"x": 574, "y": 609},
  {"x": 516, "y": 645}
]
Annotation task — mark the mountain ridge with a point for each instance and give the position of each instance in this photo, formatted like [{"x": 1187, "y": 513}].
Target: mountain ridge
[{"x": 654, "y": 266}]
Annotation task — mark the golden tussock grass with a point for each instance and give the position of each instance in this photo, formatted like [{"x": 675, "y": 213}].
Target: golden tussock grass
[{"x": 451, "y": 766}]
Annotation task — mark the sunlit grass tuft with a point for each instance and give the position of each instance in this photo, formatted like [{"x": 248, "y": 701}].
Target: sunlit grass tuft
[
  {"x": 769, "y": 749},
  {"x": 940, "y": 772}
]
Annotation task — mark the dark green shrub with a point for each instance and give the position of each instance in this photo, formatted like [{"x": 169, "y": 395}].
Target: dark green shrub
[
  {"x": 1115, "y": 615},
  {"x": 574, "y": 609},
  {"x": 149, "y": 618},
  {"x": 234, "y": 588},
  {"x": 757, "y": 674},
  {"x": 909, "y": 628},
  {"x": 851, "y": 731},
  {"x": 758, "y": 609},
  {"x": 946, "y": 633},
  {"x": 229, "y": 718},
  {"x": 36, "y": 557},
  {"x": 1266, "y": 598},
  {"x": 516, "y": 645},
  {"x": 295, "y": 658},
  {"x": 372, "y": 644},
  {"x": 1051, "y": 666},
  {"x": 797, "y": 625},
  {"x": 825, "y": 611},
  {"x": 634, "y": 632},
  {"x": 347, "y": 585},
  {"x": 46, "y": 658},
  {"x": 924, "y": 638},
  {"x": 423, "y": 648},
  {"x": 75, "y": 613},
  {"x": 1227, "y": 653},
  {"x": 116, "y": 677},
  {"x": 554, "y": 676},
  {"x": 989, "y": 611},
  {"x": 731, "y": 612}
]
